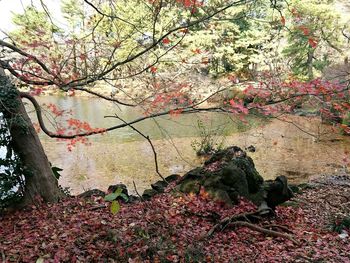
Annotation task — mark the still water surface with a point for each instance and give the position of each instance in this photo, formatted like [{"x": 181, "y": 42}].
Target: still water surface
[{"x": 124, "y": 156}]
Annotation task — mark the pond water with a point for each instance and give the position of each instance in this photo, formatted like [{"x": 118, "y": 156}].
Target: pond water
[{"x": 282, "y": 148}]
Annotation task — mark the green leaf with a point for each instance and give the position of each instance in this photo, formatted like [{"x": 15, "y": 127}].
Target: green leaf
[
  {"x": 125, "y": 197},
  {"x": 115, "y": 207},
  {"x": 40, "y": 260},
  {"x": 110, "y": 197},
  {"x": 118, "y": 191}
]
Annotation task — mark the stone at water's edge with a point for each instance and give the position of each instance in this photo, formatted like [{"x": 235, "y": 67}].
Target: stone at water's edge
[
  {"x": 230, "y": 173},
  {"x": 93, "y": 192},
  {"x": 148, "y": 194},
  {"x": 226, "y": 176},
  {"x": 159, "y": 186},
  {"x": 277, "y": 191}
]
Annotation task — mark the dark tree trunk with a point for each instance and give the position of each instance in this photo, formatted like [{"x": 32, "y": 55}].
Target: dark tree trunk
[
  {"x": 39, "y": 179},
  {"x": 310, "y": 57}
]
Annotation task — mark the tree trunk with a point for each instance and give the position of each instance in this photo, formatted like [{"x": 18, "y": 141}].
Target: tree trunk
[
  {"x": 39, "y": 179},
  {"x": 310, "y": 57}
]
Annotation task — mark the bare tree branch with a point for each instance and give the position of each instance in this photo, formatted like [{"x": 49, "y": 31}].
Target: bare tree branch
[{"x": 151, "y": 144}]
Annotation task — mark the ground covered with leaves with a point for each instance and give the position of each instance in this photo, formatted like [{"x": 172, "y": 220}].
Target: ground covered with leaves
[{"x": 173, "y": 228}]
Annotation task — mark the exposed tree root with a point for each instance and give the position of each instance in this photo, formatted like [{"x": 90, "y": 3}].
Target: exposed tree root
[
  {"x": 265, "y": 231},
  {"x": 284, "y": 228},
  {"x": 236, "y": 220}
]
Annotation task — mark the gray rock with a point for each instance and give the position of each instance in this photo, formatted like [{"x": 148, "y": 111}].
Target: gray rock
[
  {"x": 277, "y": 192},
  {"x": 220, "y": 195},
  {"x": 190, "y": 186},
  {"x": 159, "y": 186},
  {"x": 236, "y": 176},
  {"x": 148, "y": 194},
  {"x": 92, "y": 192},
  {"x": 172, "y": 178}
]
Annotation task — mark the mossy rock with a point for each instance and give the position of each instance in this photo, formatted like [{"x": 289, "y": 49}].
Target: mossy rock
[
  {"x": 235, "y": 178},
  {"x": 254, "y": 179},
  {"x": 195, "y": 174},
  {"x": 219, "y": 195},
  {"x": 257, "y": 197},
  {"x": 172, "y": 178},
  {"x": 159, "y": 186},
  {"x": 295, "y": 189},
  {"x": 93, "y": 192},
  {"x": 277, "y": 191},
  {"x": 190, "y": 186},
  {"x": 212, "y": 180},
  {"x": 148, "y": 194}
]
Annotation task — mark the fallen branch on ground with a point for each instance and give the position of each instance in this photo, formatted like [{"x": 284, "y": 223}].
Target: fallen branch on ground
[{"x": 97, "y": 207}]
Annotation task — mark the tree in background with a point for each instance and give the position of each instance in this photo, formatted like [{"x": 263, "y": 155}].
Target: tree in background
[
  {"x": 234, "y": 42},
  {"x": 314, "y": 30}
]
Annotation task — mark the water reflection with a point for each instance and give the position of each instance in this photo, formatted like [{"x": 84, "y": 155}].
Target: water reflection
[
  {"x": 94, "y": 111},
  {"x": 124, "y": 156}
]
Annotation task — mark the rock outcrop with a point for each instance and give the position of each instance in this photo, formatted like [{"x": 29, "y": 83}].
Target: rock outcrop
[{"x": 231, "y": 173}]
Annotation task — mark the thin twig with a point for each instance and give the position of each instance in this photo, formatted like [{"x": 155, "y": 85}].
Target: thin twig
[
  {"x": 133, "y": 182},
  {"x": 152, "y": 146},
  {"x": 97, "y": 207}
]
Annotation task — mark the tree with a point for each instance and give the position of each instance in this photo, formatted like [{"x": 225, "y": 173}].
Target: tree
[
  {"x": 39, "y": 179},
  {"x": 234, "y": 41},
  {"x": 49, "y": 58},
  {"x": 315, "y": 28}
]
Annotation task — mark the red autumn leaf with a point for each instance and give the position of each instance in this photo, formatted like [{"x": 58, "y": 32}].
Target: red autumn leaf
[
  {"x": 187, "y": 3},
  {"x": 312, "y": 42},
  {"x": 166, "y": 41},
  {"x": 283, "y": 20},
  {"x": 294, "y": 12},
  {"x": 71, "y": 93},
  {"x": 153, "y": 69},
  {"x": 36, "y": 92},
  {"x": 305, "y": 30}
]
